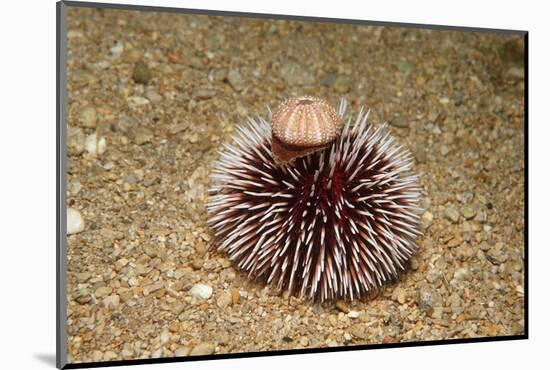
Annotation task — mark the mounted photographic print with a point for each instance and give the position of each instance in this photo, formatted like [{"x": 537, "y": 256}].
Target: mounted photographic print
[{"x": 238, "y": 184}]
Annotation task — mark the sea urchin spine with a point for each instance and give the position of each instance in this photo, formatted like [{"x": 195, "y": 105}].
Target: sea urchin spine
[{"x": 336, "y": 223}]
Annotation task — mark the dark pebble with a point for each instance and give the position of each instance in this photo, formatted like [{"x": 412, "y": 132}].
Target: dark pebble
[{"x": 142, "y": 74}]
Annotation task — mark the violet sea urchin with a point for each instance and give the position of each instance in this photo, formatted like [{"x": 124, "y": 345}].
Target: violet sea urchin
[{"x": 335, "y": 223}]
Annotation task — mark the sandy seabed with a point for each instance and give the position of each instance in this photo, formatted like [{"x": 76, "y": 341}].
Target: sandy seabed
[{"x": 455, "y": 99}]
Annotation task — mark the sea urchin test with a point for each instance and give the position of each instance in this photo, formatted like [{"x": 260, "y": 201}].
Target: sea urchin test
[{"x": 315, "y": 202}]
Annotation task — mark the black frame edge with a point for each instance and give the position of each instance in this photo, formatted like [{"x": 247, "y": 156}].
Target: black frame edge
[{"x": 61, "y": 201}]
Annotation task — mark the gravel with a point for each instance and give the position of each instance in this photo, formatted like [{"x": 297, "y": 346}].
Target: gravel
[{"x": 146, "y": 238}]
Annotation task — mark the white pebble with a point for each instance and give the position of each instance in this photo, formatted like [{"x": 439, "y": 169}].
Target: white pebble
[
  {"x": 117, "y": 49},
  {"x": 463, "y": 274},
  {"x": 95, "y": 145},
  {"x": 111, "y": 301},
  {"x": 201, "y": 291},
  {"x": 353, "y": 314},
  {"x": 243, "y": 293},
  {"x": 75, "y": 222},
  {"x": 136, "y": 101}
]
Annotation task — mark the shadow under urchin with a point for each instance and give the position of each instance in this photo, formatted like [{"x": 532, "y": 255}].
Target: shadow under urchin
[{"x": 337, "y": 223}]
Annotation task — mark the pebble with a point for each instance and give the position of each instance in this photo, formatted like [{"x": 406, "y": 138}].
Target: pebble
[
  {"x": 103, "y": 291},
  {"x": 75, "y": 222},
  {"x": 153, "y": 288},
  {"x": 235, "y": 80},
  {"x": 203, "y": 93},
  {"x": 428, "y": 298},
  {"x": 463, "y": 273},
  {"x": 452, "y": 214},
  {"x": 95, "y": 145},
  {"x": 404, "y": 66},
  {"x": 75, "y": 187},
  {"x": 83, "y": 277},
  {"x": 201, "y": 291},
  {"x": 75, "y": 140},
  {"x": 83, "y": 296},
  {"x": 400, "y": 122},
  {"x": 74, "y": 34},
  {"x": 116, "y": 50},
  {"x": 296, "y": 74},
  {"x": 202, "y": 349},
  {"x": 468, "y": 212},
  {"x": 109, "y": 355},
  {"x": 111, "y": 301},
  {"x": 120, "y": 264},
  {"x": 420, "y": 153},
  {"x": 142, "y": 135},
  {"x": 153, "y": 96},
  {"x": 165, "y": 336},
  {"x": 358, "y": 331},
  {"x": 454, "y": 242},
  {"x": 428, "y": 218},
  {"x": 433, "y": 275},
  {"x": 88, "y": 117},
  {"x": 353, "y": 314},
  {"x": 137, "y": 101},
  {"x": 516, "y": 72},
  {"x": 437, "y": 313},
  {"x": 235, "y": 296},
  {"x": 399, "y": 295},
  {"x": 342, "y": 306},
  {"x": 444, "y": 150},
  {"x": 133, "y": 281},
  {"x": 157, "y": 353},
  {"x": 520, "y": 290},
  {"x": 182, "y": 351},
  {"x": 141, "y": 74},
  {"x": 97, "y": 355},
  {"x": 224, "y": 300}
]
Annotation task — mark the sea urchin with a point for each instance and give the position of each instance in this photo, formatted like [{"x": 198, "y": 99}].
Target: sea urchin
[{"x": 335, "y": 223}]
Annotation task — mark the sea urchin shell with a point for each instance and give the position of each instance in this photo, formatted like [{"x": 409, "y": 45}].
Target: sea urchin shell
[
  {"x": 336, "y": 223},
  {"x": 303, "y": 125}
]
